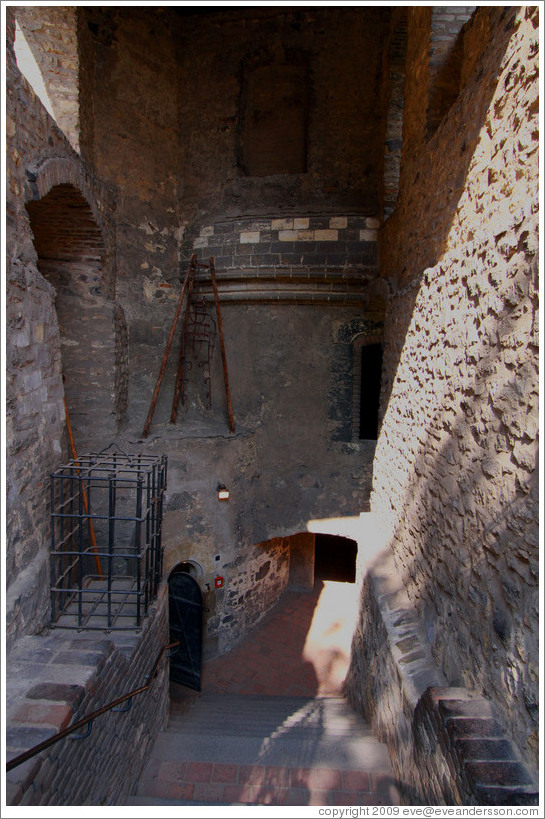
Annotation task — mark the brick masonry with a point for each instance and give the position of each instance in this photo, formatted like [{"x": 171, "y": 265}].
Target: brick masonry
[
  {"x": 299, "y": 259},
  {"x": 60, "y": 677}
]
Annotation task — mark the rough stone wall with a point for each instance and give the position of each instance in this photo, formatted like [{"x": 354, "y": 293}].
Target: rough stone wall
[
  {"x": 130, "y": 85},
  {"x": 51, "y": 34},
  {"x": 456, "y": 462},
  {"x": 394, "y": 69},
  {"x": 38, "y": 159},
  {"x": 60, "y": 677},
  {"x": 447, "y": 744}
]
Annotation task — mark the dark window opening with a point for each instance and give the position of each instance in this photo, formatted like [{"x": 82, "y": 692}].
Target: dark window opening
[
  {"x": 335, "y": 558},
  {"x": 371, "y": 369}
]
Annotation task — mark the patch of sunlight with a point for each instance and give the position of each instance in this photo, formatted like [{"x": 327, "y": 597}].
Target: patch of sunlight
[
  {"x": 329, "y": 638},
  {"x": 30, "y": 70}
]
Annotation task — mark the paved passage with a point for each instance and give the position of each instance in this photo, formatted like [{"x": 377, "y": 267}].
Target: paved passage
[{"x": 271, "y": 726}]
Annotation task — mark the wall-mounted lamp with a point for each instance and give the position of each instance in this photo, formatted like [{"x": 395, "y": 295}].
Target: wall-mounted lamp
[{"x": 223, "y": 492}]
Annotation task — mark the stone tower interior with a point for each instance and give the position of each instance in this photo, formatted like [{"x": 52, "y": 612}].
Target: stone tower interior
[{"x": 365, "y": 179}]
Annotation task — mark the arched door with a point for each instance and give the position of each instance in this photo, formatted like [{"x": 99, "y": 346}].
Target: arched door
[{"x": 185, "y": 612}]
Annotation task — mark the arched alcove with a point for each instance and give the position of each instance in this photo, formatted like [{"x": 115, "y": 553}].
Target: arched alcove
[
  {"x": 185, "y": 599},
  {"x": 71, "y": 254}
]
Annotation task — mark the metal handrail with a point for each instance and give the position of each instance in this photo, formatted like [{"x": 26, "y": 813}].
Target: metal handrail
[{"x": 18, "y": 760}]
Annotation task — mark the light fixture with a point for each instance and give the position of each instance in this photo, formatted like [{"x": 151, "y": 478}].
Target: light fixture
[{"x": 223, "y": 492}]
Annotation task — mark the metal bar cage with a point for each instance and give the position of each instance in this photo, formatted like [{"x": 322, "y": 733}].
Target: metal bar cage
[{"x": 106, "y": 550}]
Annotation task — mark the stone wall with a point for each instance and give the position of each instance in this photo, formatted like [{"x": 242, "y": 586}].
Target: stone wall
[
  {"x": 164, "y": 117},
  {"x": 447, "y": 744},
  {"x": 340, "y": 52},
  {"x": 39, "y": 159},
  {"x": 51, "y": 34},
  {"x": 60, "y": 677},
  {"x": 291, "y": 458},
  {"x": 455, "y": 471}
]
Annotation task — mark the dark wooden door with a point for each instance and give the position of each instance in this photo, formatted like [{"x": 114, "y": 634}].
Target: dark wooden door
[{"x": 185, "y": 612}]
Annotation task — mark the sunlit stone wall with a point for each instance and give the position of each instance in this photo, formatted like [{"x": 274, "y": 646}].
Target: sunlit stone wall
[{"x": 455, "y": 474}]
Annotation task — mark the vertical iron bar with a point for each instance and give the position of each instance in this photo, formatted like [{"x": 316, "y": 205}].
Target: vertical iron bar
[
  {"x": 80, "y": 550},
  {"x": 52, "y": 568},
  {"x": 149, "y": 519},
  {"x": 150, "y": 528},
  {"x": 139, "y": 484},
  {"x": 111, "y": 538},
  {"x": 160, "y": 518}
]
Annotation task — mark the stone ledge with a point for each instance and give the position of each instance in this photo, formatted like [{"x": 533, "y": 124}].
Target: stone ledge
[
  {"x": 446, "y": 743},
  {"x": 61, "y": 676}
]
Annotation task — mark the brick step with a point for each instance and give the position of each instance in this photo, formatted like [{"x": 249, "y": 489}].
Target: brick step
[
  {"x": 228, "y": 749},
  {"x": 231, "y": 784}
]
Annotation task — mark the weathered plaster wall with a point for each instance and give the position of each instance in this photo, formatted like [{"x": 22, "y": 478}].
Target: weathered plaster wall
[
  {"x": 456, "y": 463},
  {"x": 290, "y": 459}
]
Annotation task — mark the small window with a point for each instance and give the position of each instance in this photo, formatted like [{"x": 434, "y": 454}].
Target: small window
[{"x": 371, "y": 369}]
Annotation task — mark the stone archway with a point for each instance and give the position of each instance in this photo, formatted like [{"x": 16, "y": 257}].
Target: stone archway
[{"x": 71, "y": 256}]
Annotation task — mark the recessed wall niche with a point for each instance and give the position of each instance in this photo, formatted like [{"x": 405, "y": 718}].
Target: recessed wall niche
[{"x": 273, "y": 132}]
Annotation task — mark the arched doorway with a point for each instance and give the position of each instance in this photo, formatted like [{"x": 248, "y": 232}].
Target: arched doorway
[
  {"x": 71, "y": 253},
  {"x": 185, "y": 605}
]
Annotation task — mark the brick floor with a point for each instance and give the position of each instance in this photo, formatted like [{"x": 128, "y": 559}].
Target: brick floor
[{"x": 301, "y": 648}]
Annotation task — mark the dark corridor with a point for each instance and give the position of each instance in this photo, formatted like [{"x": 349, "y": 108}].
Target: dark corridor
[{"x": 335, "y": 558}]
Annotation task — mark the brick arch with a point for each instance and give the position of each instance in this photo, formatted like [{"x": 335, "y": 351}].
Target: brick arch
[
  {"x": 45, "y": 174},
  {"x": 70, "y": 254}
]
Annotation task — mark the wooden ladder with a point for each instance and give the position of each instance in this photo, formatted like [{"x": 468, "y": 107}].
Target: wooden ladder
[{"x": 187, "y": 291}]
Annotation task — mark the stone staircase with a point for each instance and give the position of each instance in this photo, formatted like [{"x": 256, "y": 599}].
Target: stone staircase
[{"x": 230, "y": 749}]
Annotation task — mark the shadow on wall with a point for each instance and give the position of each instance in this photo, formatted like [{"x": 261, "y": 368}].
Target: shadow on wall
[
  {"x": 455, "y": 462},
  {"x": 445, "y": 159},
  {"x": 477, "y": 579}
]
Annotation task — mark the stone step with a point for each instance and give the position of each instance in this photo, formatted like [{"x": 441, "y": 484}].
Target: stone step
[
  {"x": 290, "y": 718},
  {"x": 237, "y": 749}
]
